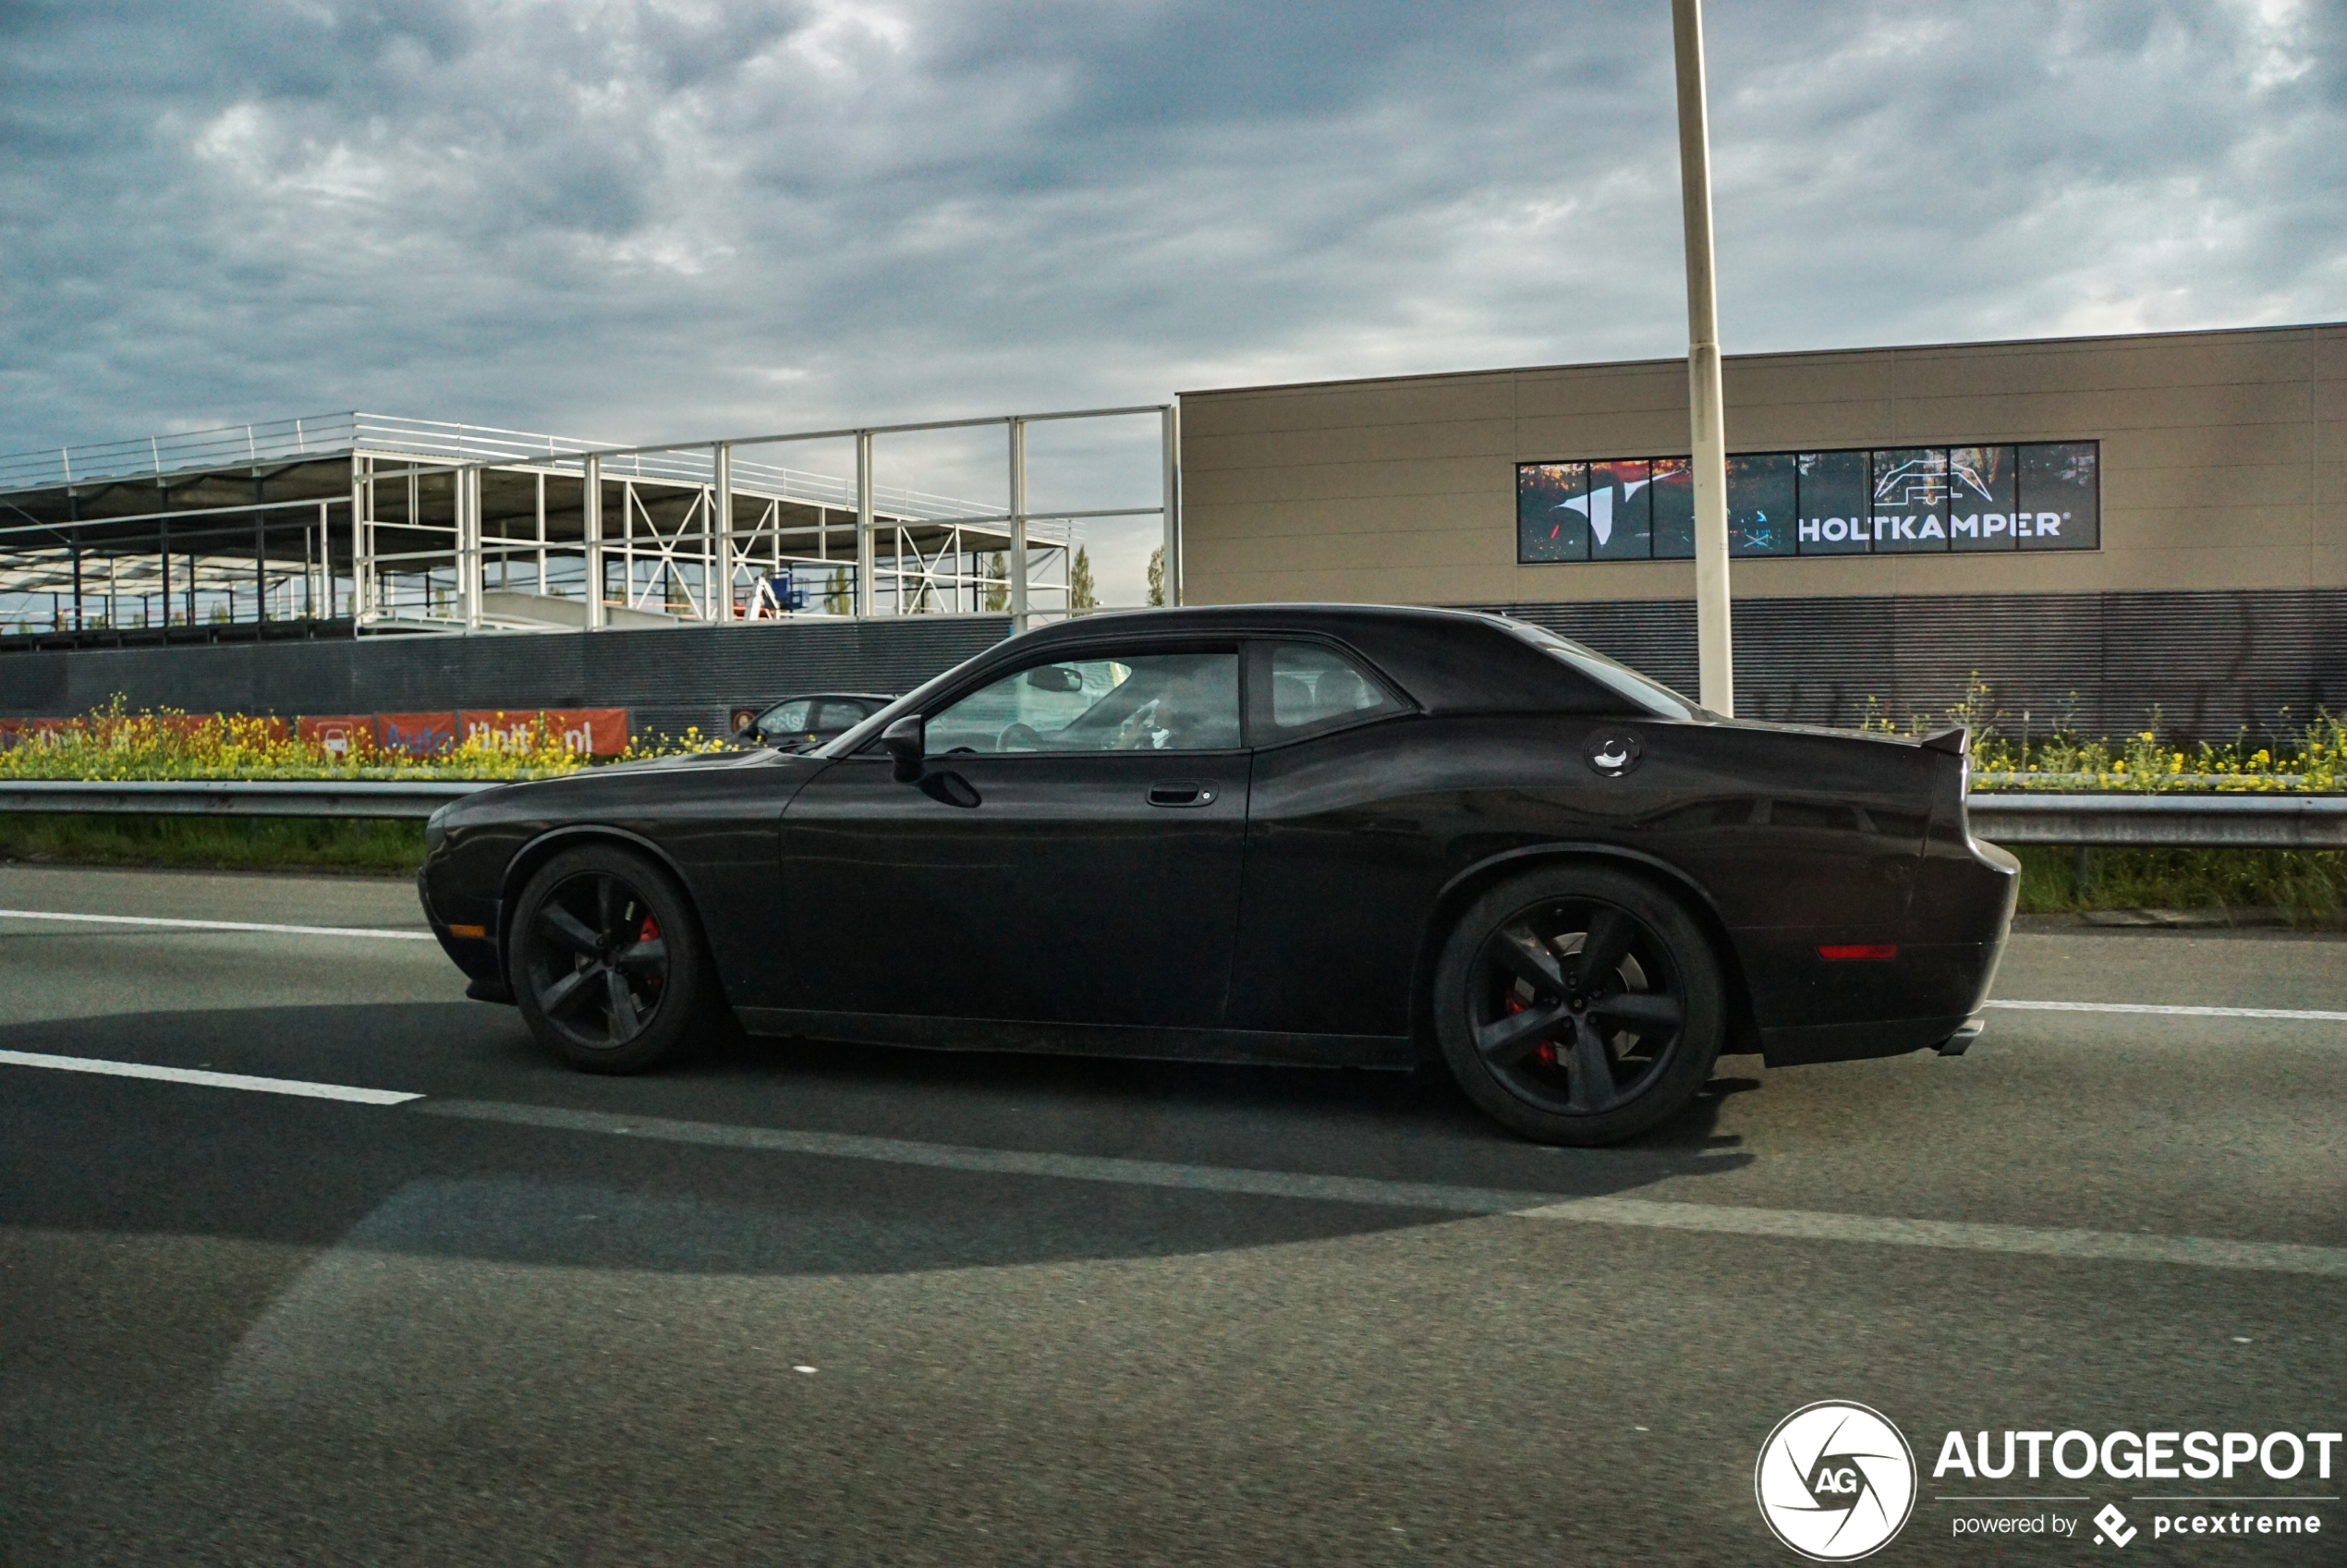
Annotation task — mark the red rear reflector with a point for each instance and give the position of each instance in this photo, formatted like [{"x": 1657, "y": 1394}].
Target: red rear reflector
[
  {"x": 476, "y": 932},
  {"x": 1877, "y": 950}
]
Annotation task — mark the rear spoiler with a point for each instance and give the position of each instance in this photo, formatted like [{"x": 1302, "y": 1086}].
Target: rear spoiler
[{"x": 1955, "y": 740}]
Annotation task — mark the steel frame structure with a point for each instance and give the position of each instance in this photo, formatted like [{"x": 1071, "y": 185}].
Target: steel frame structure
[{"x": 414, "y": 526}]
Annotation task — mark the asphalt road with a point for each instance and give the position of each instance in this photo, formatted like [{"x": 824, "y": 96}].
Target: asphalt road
[{"x": 799, "y": 1304}]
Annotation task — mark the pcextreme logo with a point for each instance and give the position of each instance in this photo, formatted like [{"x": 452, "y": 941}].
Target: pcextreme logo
[{"x": 1835, "y": 1481}]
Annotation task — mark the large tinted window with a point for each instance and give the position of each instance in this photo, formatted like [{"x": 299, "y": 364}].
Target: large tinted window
[
  {"x": 1836, "y": 516},
  {"x": 1137, "y": 702},
  {"x": 1621, "y": 511},
  {"x": 1673, "y": 489},
  {"x": 2060, "y": 507},
  {"x": 1760, "y": 505},
  {"x": 1881, "y": 501},
  {"x": 1910, "y": 500},
  {"x": 1981, "y": 498},
  {"x": 1551, "y": 512}
]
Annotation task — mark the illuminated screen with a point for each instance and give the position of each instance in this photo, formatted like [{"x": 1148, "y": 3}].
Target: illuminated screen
[{"x": 1892, "y": 500}]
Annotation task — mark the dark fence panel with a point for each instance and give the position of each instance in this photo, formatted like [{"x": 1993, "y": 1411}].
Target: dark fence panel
[
  {"x": 669, "y": 679},
  {"x": 2208, "y": 664}
]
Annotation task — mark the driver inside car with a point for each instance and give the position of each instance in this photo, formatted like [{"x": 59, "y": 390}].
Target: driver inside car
[{"x": 1185, "y": 716}]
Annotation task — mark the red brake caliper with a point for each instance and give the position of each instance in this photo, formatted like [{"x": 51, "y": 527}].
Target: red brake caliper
[
  {"x": 649, "y": 931},
  {"x": 1546, "y": 1052}
]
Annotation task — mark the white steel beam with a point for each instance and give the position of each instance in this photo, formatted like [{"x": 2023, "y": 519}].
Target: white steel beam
[
  {"x": 866, "y": 556},
  {"x": 361, "y": 496},
  {"x": 593, "y": 527},
  {"x": 721, "y": 606},
  {"x": 1018, "y": 524},
  {"x": 469, "y": 562},
  {"x": 1171, "y": 572}
]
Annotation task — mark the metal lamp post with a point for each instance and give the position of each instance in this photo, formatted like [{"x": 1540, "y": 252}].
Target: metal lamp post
[{"x": 1714, "y": 650}]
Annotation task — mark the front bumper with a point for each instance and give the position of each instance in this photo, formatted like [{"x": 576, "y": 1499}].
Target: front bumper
[{"x": 475, "y": 951}]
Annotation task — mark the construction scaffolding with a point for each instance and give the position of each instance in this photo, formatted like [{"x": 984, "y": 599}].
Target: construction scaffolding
[{"x": 361, "y": 524}]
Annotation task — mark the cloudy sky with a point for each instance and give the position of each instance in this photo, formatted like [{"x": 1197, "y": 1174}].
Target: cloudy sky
[{"x": 636, "y": 219}]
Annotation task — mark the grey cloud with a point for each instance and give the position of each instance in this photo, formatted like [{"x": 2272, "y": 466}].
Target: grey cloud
[{"x": 639, "y": 220}]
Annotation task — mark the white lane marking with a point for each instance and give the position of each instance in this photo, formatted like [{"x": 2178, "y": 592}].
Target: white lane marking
[
  {"x": 216, "y": 925},
  {"x": 2284, "y": 1258},
  {"x": 207, "y": 1079},
  {"x": 2307, "y": 1014}
]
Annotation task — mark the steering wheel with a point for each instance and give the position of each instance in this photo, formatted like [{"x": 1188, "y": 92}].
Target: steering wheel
[{"x": 1018, "y": 737}]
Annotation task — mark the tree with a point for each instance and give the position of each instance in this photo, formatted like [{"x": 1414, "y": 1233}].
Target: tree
[
  {"x": 998, "y": 582},
  {"x": 836, "y": 598},
  {"x": 1081, "y": 594},
  {"x": 1157, "y": 576}
]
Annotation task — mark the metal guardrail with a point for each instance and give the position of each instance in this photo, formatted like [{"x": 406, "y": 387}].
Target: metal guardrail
[
  {"x": 2163, "y": 821},
  {"x": 2208, "y": 821},
  {"x": 238, "y": 797}
]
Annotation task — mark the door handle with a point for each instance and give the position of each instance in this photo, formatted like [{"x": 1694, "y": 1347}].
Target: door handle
[{"x": 1183, "y": 794}]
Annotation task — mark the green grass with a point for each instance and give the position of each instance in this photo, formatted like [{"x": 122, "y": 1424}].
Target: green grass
[
  {"x": 334, "y": 844},
  {"x": 2309, "y": 887}
]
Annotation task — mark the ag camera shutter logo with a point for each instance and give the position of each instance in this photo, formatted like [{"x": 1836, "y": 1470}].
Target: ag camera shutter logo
[{"x": 1835, "y": 1481}]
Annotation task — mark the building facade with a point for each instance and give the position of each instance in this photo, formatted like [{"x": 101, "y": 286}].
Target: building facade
[{"x": 2111, "y": 532}]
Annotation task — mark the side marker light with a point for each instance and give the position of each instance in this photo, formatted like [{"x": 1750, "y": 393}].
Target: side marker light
[
  {"x": 1860, "y": 952},
  {"x": 477, "y": 932}
]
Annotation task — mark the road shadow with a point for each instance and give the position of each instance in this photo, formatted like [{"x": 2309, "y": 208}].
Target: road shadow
[{"x": 146, "y": 1157}]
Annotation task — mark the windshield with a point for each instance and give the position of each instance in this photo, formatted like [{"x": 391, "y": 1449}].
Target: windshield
[{"x": 1620, "y": 679}]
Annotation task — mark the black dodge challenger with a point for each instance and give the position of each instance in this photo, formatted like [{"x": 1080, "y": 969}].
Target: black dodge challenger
[{"x": 1274, "y": 834}]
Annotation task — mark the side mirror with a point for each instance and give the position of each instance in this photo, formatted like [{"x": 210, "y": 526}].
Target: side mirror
[
  {"x": 1055, "y": 677},
  {"x": 908, "y": 744}
]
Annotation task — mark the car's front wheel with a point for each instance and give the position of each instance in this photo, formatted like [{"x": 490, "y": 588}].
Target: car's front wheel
[
  {"x": 1578, "y": 1005},
  {"x": 606, "y": 961}
]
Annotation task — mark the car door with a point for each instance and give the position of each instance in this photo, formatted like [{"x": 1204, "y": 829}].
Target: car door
[
  {"x": 1339, "y": 863},
  {"x": 1072, "y": 855}
]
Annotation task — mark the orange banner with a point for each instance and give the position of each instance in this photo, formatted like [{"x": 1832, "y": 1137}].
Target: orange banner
[
  {"x": 598, "y": 731},
  {"x": 342, "y": 736},
  {"x": 421, "y": 735},
  {"x": 503, "y": 729},
  {"x": 21, "y": 732}
]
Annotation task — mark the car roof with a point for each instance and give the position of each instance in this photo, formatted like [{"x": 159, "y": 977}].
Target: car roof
[
  {"x": 1305, "y": 615},
  {"x": 821, "y": 696}
]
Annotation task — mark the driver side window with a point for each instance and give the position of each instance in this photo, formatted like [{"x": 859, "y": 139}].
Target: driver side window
[
  {"x": 1134, "y": 702},
  {"x": 787, "y": 719}
]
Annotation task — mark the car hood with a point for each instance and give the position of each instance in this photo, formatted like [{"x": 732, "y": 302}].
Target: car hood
[{"x": 566, "y": 791}]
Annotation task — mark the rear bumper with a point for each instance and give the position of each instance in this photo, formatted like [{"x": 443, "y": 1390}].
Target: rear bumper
[
  {"x": 1804, "y": 1044},
  {"x": 1927, "y": 994}
]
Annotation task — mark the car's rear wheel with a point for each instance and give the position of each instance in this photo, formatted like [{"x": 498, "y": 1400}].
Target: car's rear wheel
[
  {"x": 1578, "y": 1005},
  {"x": 606, "y": 961}
]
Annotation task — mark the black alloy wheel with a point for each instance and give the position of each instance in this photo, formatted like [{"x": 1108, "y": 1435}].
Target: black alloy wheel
[
  {"x": 607, "y": 962},
  {"x": 1578, "y": 1005}
]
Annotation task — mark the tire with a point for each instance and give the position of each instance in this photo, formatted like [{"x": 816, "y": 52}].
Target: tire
[
  {"x": 1578, "y": 1005},
  {"x": 607, "y": 964}
]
